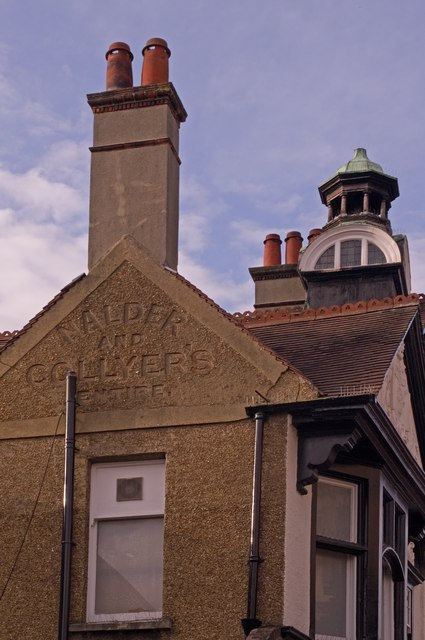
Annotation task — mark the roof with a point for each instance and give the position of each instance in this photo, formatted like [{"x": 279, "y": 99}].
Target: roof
[
  {"x": 6, "y": 336},
  {"x": 360, "y": 163},
  {"x": 341, "y": 354}
]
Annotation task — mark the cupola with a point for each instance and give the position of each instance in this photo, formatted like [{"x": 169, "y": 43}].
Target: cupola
[
  {"x": 356, "y": 256},
  {"x": 359, "y": 189}
]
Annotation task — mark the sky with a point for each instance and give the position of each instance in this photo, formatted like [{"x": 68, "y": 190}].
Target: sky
[{"x": 278, "y": 93}]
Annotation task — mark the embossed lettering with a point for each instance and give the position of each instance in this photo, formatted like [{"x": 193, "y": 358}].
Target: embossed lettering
[
  {"x": 124, "y": 368},
  {"x": 59, "y": 371},
  {"x": 119, "y": 341},
  {"x": 89, "y": 321},
  {"x": 111, "y": 315},
  {"x": 151, "y": 364},
  {"x": 202, "y": 361},
  {"x": 108, "y": 370},
  {"x": 36, "y": 374},
  {"x": 132, "y": 311},
  {"x": 155, "y": 314},
  {"x": 103, "y": 343},
  {"x": 173, "y": 362},
  {"x": 172, "y": 320},
  {"x": 158, "y": 390},
  {"x": 87, "y": 370},
  {"x": 133, "y": 365}
]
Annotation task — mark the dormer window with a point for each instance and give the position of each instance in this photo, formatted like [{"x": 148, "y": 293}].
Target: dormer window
[{"x": 355, "y": 252}]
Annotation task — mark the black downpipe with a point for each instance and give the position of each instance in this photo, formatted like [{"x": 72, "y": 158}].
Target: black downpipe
[
  {"x": 251, "y": 621},
  {"x": 68, "y": 497}
]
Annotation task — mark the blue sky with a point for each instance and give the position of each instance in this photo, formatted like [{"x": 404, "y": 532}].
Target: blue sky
[{"x": 278, "y": 93}]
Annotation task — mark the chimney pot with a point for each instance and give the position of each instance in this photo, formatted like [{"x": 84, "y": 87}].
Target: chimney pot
[
  {"x": 272, "y": 251},
  {"x": 294, "y": 243},
  {"x": 313, "y": 233},
  {"x": 155, "y": 61},
  {"x": 119, "y": 74}
]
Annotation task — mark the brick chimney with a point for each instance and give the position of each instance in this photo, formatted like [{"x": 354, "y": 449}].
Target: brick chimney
[{"x": 134, "y": 183}]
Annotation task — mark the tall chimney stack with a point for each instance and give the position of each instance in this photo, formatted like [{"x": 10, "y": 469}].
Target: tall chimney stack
[{"x": 134, "y": 182}]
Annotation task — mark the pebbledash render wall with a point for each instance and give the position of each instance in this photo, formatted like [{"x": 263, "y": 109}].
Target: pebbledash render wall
[{"x": 162, "y": 372}]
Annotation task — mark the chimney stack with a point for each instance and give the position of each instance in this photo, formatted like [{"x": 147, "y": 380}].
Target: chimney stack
[
  {"x": 155, "y": 61},
  {"x": 313, "y": 233},
  {"x": 277, "y": 284},
  {"x": 272, "y": 251},
  {"x": 134, "y": 180},
  {"x": 294, "y": 243},
  {"x": 119, "y": 74}
]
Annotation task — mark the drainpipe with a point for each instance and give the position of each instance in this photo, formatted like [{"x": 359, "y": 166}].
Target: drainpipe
[
  {"x": 251, "y": 621},
  {"x": 68, "y": 495}
]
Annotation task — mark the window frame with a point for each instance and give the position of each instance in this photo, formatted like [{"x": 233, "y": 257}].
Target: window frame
[
  {"x": 373, "y": 550},
  {"x": 358, "y": 549},
  {"x": 394, "y": 552},
  {"x": 106, "y": 509}
]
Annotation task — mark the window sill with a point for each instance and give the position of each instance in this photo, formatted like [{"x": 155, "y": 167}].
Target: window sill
[{"x": 164, "y": 623}]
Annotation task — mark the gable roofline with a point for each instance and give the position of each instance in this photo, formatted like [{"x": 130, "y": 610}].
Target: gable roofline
[{"x": 203, "y": 308}]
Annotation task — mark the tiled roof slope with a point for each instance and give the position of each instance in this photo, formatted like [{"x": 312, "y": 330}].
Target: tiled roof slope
[
  {"x": 5, "y": 336},
  {"x": 341, "y": 354}
]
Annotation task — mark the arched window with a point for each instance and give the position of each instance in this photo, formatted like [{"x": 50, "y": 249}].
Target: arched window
[
  {"x": 374, "y": 254},
  {"x": 327, "y": 259},
  {"x": 354, "y": 252},
  {"x": 351, "y": 253}
]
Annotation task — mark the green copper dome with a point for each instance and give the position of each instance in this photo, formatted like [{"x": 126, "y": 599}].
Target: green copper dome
[{"x": 359, "y": 163}]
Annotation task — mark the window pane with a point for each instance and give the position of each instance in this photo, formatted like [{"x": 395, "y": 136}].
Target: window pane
[
  {"x": 335, "y": 595},
  {"x": 337, "y": 509},
  {"x": 374, "y": 254},
  {"x": 351, "y": 253},
  {"x": 129, "y": 566},
  {"x": 327, "y": 259}
]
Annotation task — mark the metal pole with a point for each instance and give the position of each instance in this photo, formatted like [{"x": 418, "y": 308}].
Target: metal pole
[
  {"x": 251, "y": 621},
  {"x": 68, "y": 495}
]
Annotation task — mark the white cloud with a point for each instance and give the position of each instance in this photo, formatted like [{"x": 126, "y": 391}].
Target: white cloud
[
  {"x": 43, "y": 222},
  {"x": 199, "y": 210},
  {"x": 36, "y": 261},
  {"x": 35, "y": 196},
  {"x": 249, "y": 233},
  {"x": 221, "y": 287}
]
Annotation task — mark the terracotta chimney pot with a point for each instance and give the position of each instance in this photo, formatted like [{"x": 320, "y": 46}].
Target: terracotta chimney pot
[
  {"x": 119, "y": 74},
  {"x": 294, "y": 243},
  {"x": 272, "y": 251},
  {"x": 313, "y": 233},
  {"x": 155, "y": 61}
]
